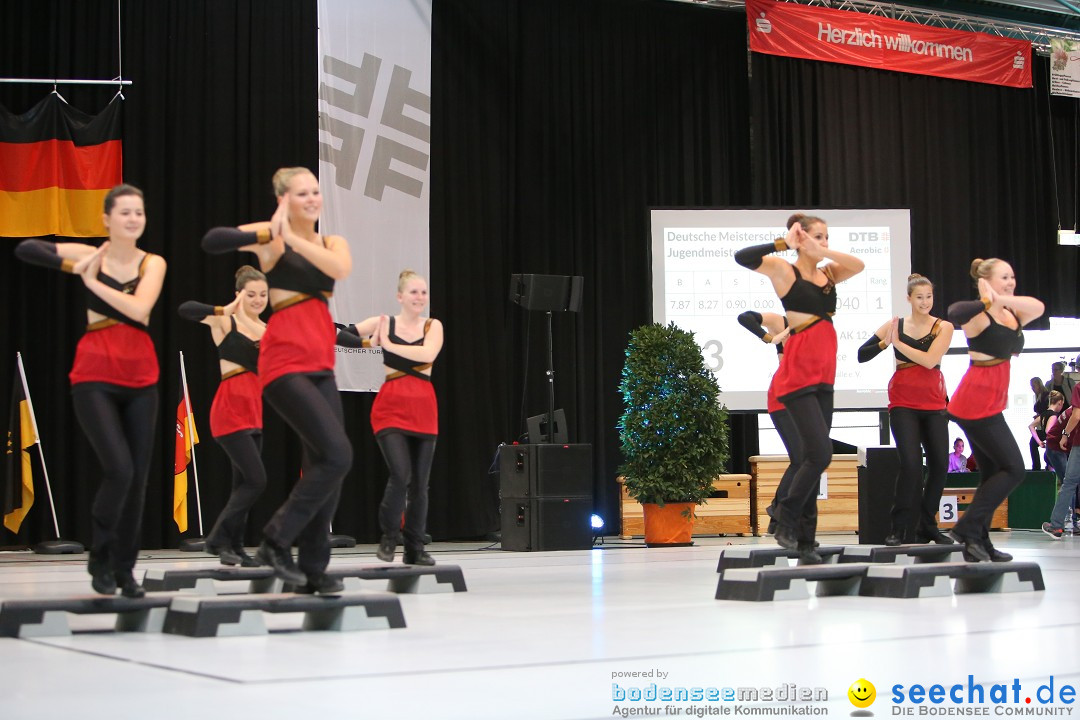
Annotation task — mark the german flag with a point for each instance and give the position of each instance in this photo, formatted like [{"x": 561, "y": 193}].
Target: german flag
[
  {"x": 56, "y": 165},
  {"x": 181, "y": 458},
  {"x": 19, "y": 483}
]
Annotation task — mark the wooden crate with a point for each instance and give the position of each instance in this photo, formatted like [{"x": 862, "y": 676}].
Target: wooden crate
[
  {"x": 718, "y": 516},
  {"x": 999, "y": 521},
  {"x": 839, "y": 513}
]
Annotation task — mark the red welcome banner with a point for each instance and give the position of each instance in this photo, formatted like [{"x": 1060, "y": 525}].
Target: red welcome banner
[{"x": 852, "y": 38}]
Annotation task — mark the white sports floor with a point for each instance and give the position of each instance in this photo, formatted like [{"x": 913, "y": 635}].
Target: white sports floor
[{"x": 545, "y": 635}]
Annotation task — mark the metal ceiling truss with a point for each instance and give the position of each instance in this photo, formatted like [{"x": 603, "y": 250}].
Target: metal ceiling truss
[{"x": 1039, "y": 36}]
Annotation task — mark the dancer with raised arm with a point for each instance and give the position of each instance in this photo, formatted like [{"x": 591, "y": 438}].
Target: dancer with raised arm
[
  {"x": 994, "y": 327},
  {"x": 804, "y": 382},
  {"x": 917, "y": 400},
  {"x": 773, "y": 329},
  {"x": 236, "y": 413},
  {"x": 405, "y": 416},
  {"x": 296, "y": 368},
  {"x": 114, "y": 377}
]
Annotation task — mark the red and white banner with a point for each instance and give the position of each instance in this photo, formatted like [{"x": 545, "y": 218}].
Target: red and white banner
[{"x": 852, "y": 38}]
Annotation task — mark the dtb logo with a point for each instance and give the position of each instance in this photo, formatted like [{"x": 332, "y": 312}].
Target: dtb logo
[
  {"x": 762, "y": 24},
  {"x": 1018, "y": 62}
]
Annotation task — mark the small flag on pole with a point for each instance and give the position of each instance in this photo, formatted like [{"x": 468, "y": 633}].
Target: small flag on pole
[
  {"x": 186, "y": 437},
  {"x": 21, "y": 435}
]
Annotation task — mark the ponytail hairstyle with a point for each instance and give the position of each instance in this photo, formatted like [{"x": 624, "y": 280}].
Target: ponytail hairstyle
[
  {"x": 807, "y": 221},
  {"x": 982, "y": 268},
  {"x": 247, "y": 274},
  {"x": 1055, "y": 397},
  {"x": 285, "y": 175},
  {"x": 915, "y": 280},
  {"x": 120, "y": 191},
  {"x": 404, "y": 277}
]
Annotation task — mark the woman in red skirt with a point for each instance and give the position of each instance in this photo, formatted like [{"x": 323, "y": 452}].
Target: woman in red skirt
[
  {"x": 236, "y": 413},
  {"x": 405, "y": 416},
  {"x": 114, "y": 377},
  {"x": 994, "y": 329},
  {"x": 296, "y": 369},
  {"x": 804, "y": 382},
  {"x": 916, "y": 412}
]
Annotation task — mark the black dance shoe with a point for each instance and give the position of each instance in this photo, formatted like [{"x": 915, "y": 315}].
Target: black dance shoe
[
  {"x": 808, "y": 555},
  {"x": 226, "y": 554},
  {"x": 281, "y": 560},
  {"x": 893, "y": 540},
  {"x": 245, "y": 559},
  {"x": 973, "y": 551},
  {"x": 129, "y": 588},
  {"x": 995, "y": 554},
  {"x": 419, "y": 557},
  {"x": 785, "y": 538},
  {"x": 320, "y": 583},
  {"x": 387, "y": 548},
  {"x": 933, "y": 535},
  {"x": 102, "y": 578}
]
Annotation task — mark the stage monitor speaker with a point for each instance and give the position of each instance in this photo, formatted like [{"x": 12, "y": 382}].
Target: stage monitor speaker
[
  {"x": 550, "y": 293},
  {"x": 877, "y": 482},
  {"x": 527, "y": 471},
  {"x": 546, "y": 523}
]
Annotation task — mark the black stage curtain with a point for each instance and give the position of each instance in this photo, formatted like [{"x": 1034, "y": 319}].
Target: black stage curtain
[
  {"x": 974, "y": 163},
  {"x": 555, "y": 126}
]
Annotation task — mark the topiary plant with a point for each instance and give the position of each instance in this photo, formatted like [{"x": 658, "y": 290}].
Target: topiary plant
[{"x": 673, "y": 431}]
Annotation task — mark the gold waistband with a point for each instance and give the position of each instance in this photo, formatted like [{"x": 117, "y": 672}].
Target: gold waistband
[
  {"x": 905, "y": 365},
  {"x": 400, "y": 374},
  {"x": 988, "y": 363},
  {"x": 301, "y": 297},
  {"x": 102, "y": 324},
  {"x": 234, "y": 372},
  {"x": 809, "y": 323}
]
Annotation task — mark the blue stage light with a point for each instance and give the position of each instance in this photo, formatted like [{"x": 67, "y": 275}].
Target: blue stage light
[{"x": 597, "y": 522}]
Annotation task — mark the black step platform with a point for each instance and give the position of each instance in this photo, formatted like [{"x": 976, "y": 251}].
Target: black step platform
[
  {"x": 403, "y": 578},
  {"x": 47, "y": 617},
  {"x": 764, "y": 584},
  {"x": 259, "y": 579},
  {"x": 904, "y": 554},
  {"x": 751, "y": 556},
  {"x": 235, "y": 615},
  {"x": 936, "y": 579}
]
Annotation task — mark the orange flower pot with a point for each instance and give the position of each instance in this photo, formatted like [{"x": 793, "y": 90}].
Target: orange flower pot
[{"x": 668, "y": 524}]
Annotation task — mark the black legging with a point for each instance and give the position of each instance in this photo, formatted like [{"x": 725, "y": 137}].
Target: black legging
[
  {"x": 409, "y": 459},
  {"x": 811, "y": 413},
  {"x": 244, "y": 449},
  {"x": 914, "y": 507},
  {"x": 1001, "y": 466},
  {"x": 310, "y": 404},
  {"x": 120, "y": 423},
  {"x": 789, "y": 435}
]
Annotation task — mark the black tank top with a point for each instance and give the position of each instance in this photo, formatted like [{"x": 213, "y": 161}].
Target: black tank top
[
  {"x": 95, "y": 303},
  {"x": 402, "y": 364},
  {"x": 294, "y": 272},
  {"x": 922, "y": 343},
  {"x": 806, "y": 297},
  {"x": 998, "y": 340},
  {"x": 239, "y": 348}
]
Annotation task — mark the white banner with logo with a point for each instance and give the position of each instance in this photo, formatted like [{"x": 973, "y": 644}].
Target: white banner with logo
[
  {"x": 374, "y": 146},
  {"x": 1064, "y": 67}
]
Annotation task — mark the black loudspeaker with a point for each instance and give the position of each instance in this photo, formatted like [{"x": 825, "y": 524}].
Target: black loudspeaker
[
  {"x": 545, "y": 497},
  {"x": 527, "y": 471},
  {"x": 548, "y": 293},
  {"x": 877, "y": 482},
  {"x": 546, "y": 523}
]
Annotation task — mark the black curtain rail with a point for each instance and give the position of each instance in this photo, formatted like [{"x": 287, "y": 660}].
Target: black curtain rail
[{"x": 47, "y": 81}]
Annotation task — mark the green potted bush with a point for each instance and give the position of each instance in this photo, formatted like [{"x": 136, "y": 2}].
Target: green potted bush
[{"x": 673, "y": 430}]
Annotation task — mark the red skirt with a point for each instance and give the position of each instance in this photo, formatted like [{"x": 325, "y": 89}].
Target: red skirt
[
  {"x": 298, "y": 339},
  {"x": 918, "y": 388},
  {"x": 983, "y": 392},
  {"x": 406, "y": 403},
  {"x": 237, "y": 405},
  {"x": 809, "y": 361},
  {"x": 119, "y": 354}
]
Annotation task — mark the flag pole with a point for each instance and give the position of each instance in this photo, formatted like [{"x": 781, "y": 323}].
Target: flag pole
[
  {"x": 191, "y": 434},
  {"x": 47, "y": 547}
]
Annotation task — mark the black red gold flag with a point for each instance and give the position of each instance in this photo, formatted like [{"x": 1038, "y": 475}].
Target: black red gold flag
[{"x": 18, "y": 494}]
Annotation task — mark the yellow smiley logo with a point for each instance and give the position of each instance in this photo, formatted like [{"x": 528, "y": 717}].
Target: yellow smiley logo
[{"x": 862, "y": 693}]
